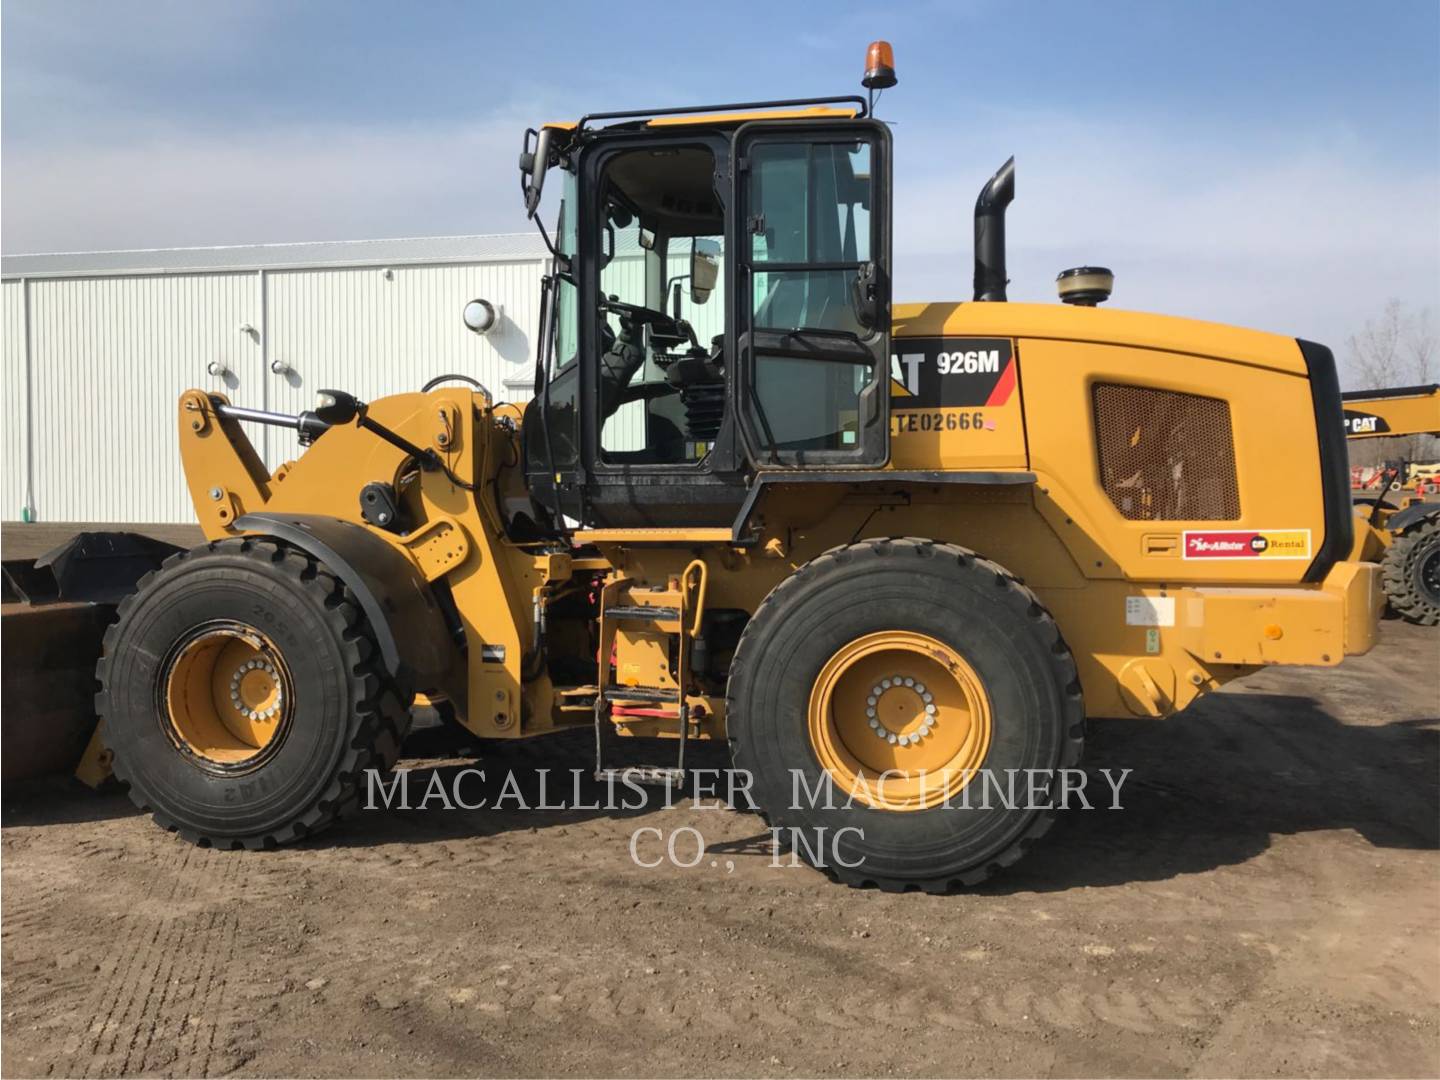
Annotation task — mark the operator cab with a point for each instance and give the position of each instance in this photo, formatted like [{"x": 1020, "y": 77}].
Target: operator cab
[{"x": 719, "y": 307}]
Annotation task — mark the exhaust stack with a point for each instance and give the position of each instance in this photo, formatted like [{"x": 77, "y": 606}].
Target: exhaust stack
[{"x": 995, "y": 196}]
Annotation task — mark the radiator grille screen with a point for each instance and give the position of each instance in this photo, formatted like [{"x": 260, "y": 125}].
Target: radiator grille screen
[{"x": 1166, "y": 456}]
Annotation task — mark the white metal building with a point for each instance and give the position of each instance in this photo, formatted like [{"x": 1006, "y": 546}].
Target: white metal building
[{"x": 98, "y": 347}]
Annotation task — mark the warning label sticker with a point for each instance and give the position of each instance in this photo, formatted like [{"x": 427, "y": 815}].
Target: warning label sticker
[
  {"x": 1149, "y": 611},
  {"x": 1247, "y": 544}
]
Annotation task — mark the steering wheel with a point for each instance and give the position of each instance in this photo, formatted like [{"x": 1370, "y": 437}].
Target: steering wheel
[
  {"x": 634, "y": 313},
  {"x": 662, "y": 325}
]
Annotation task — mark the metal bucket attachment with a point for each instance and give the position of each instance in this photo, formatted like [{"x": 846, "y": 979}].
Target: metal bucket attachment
[{"x": 56, "y": 609}]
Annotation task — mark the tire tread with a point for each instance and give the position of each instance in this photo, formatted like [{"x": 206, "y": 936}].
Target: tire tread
[
  {"x": 379, "y": 721},
  {"x": 1399, "y": 571},
  {"x": 1020, "y": 596}
]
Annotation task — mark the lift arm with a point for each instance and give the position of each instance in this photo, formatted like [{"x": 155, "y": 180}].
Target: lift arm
[{"x": 1406, "y": 410}]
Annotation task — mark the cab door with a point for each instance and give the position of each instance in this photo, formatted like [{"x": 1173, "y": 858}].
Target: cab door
[{"x": 811, "y": 244}]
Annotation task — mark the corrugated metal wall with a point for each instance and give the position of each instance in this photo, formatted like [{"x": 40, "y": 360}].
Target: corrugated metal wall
[
  {"x": 374, "y": 334},
  {"x": 109, "y": 356}
]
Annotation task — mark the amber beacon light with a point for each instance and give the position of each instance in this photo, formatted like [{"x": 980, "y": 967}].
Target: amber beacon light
[{"x": 879, "y": 66}]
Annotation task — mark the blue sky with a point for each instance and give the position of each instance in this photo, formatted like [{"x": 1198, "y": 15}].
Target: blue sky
[{"x": 1274, "y": 164}]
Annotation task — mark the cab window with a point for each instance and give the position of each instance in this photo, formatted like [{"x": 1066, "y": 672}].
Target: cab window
[
  {"x": 810, "y": 233},
  {"x": 810, "y": 230},
  {"x": 661, "y": 385}
]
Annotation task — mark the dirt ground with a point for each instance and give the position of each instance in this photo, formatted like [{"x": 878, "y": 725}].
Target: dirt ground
[{"x": 1266, "y": 903}]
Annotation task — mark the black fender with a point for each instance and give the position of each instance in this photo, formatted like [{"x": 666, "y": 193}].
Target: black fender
[
  {"x": 1403, "y": 519},
  {"x": 397, "y": 600}
]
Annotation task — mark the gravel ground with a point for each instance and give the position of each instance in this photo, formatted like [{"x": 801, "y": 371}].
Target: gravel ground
[{"x": 1266, "y": 903}]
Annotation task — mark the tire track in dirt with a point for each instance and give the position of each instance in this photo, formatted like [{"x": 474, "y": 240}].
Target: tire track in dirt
[
  {"x": 212, "y": 984},
  {"x": 158, "y": 1003},
  {"x": 123, "y": 969},
  {"x": 200, "y": 937}
]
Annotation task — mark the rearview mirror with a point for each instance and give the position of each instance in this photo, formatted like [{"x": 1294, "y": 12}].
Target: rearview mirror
[
  {"x": 533, "y": 163},
  {"x": 704, "y": 268},
  {"x": 867, "y": 298}
]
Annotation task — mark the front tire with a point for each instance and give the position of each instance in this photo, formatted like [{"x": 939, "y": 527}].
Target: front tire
[
  {"x": 914, "y": 656},
  {"x": 243, "y": 697},
  {"x": 1411, "y": 572}
]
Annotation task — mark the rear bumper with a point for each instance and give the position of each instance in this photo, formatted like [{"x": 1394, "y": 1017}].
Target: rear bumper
[{"x": 1313, "y": 625}]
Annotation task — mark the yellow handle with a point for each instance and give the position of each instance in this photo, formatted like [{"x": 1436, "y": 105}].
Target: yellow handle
[{"x": 697, "y": 564}]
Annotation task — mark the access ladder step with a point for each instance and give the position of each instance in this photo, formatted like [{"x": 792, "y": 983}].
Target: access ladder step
[
  {"x": 640, "y": 693},
  {"x": 643, "y": 774},
  {"x": 643, "y": 612}
]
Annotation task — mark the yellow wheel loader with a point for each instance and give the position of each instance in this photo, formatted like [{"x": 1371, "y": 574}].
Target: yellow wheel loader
[
  {"x": 1403, "y": 539},
  {"x": 890, "y": 551}
]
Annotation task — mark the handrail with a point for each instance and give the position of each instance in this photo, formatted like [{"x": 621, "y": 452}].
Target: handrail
[
  {"x": 696, "y": 564},
  {"x": 861, "y": 109}
]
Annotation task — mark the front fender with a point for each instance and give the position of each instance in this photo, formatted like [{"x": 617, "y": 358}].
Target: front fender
[
  {"x": 415, "y": 644},
  {"x": 1403, "y": 519}
]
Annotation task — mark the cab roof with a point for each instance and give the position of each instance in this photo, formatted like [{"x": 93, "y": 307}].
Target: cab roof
[
  {"x": 729, "y": 115},
  {"x": 732, "y": 117}
]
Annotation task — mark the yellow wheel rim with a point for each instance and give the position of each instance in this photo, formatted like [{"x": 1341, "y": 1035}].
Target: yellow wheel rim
[
  {"x": 227, "y": 696},
  {"x": 899, "y": 720}
]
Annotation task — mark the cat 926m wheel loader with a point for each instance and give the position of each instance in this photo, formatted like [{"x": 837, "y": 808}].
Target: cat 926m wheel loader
[{"x": 892, "y": 547}]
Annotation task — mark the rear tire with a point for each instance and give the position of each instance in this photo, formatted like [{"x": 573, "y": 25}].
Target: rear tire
[
  {"x": 316, "y": 689},
  {"x": 1411, "y": 572},
  {"x": 903, "y": 601}
]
